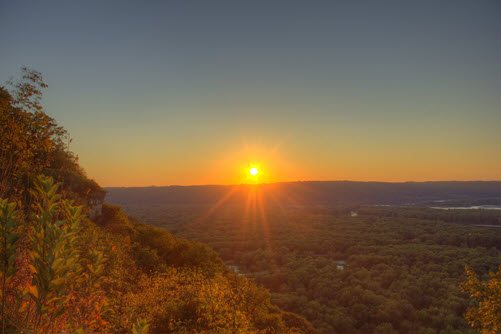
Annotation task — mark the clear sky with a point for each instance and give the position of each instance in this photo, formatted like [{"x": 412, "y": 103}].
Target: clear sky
[{"x": 191, "y": 92}]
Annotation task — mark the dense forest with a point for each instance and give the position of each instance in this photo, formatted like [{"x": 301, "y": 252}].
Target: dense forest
[
  {"x": 349, "y": 269},
  {"x": 63, "y": 272}
]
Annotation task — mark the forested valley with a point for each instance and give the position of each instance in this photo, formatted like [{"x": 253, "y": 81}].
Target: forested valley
[{"x": 348, "y": 268}]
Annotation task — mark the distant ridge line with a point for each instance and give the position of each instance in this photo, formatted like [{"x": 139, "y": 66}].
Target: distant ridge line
[{"x": 313, "y": 192}]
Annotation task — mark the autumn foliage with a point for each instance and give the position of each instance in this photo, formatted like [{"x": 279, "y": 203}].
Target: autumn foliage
[{"x": 484, "y": 312}]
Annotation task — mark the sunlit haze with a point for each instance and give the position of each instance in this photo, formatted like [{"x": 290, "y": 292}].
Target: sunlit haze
[{"x": 177, "y": 92}]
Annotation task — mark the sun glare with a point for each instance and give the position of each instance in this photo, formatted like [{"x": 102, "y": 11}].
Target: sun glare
[{"x": 254, "y": 171}]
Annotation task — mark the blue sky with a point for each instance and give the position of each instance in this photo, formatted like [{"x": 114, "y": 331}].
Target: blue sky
[{"x": 182, "y": 92}]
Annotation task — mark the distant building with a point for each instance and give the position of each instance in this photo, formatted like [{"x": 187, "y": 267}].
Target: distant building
[
  {"x": 235, "y": 269},
  {"x": 340, "y": 265},
  {"x": 95, "y": 200},
  {"x": 95, "y": 208}
]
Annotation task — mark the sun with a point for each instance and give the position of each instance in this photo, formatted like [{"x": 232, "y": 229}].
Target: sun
[{"x": 254, "y": 171}]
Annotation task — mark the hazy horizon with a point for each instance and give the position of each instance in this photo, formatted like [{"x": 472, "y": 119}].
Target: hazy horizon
[{"x": 297, "y": 181}]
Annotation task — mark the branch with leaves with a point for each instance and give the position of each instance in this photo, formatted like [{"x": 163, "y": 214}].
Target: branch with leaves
[{"x": 484, "y": 312}]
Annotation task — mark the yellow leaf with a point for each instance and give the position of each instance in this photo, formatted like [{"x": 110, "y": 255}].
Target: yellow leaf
[{"x": 33, "y": 291}]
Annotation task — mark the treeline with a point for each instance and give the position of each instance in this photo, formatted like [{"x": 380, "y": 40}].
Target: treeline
[
  {"x": 32, "y": 144},
  {"x": 64, "y": 273},
  {"x": 460, "y": 216}
]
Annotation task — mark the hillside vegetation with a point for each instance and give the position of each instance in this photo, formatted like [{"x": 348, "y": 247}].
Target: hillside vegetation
[{"x": 62, "y": 272}]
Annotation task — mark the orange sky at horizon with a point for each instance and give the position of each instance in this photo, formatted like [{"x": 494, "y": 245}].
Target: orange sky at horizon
[{"x": 276, "y": 164}]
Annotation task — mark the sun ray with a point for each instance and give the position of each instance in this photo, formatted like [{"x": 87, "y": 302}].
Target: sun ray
[
  {"x": 266, "y": 230},
  {"x": 216, "y": 206}
]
